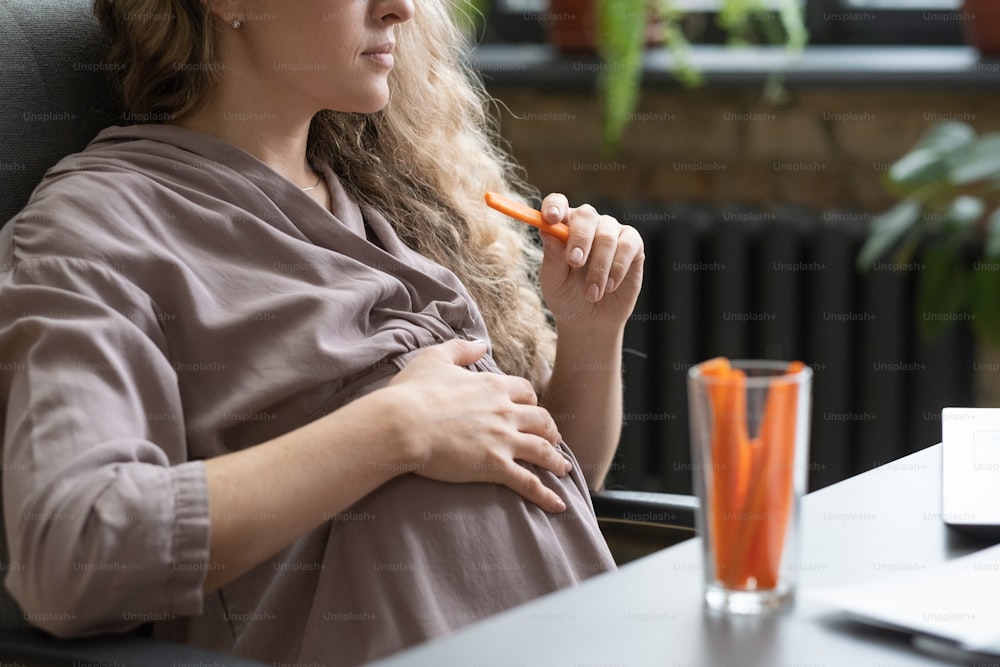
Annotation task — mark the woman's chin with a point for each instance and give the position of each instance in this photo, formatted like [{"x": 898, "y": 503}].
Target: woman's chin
[{"x": 372, "y": 104}]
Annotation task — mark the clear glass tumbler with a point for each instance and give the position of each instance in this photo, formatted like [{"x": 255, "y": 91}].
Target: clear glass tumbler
[{"x": 749, "y": 423}]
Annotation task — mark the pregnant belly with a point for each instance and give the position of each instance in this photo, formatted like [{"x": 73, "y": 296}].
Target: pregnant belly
[{"x": 434, "y": 556}]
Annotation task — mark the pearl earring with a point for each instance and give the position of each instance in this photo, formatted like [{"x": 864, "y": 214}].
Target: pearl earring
[{"x": 236, "y": 24}]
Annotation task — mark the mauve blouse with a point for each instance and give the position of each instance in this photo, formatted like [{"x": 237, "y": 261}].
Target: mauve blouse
[{"x": 165, "y": 298}]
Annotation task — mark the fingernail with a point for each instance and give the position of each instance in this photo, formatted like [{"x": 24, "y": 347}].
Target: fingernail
[
  {"x": 552, "y": 212},
  {"x": 576, "y": 257},
  {"x": 592, "y": 292},
  {"x": 560, "y": 505},
  {"x": 568, "y": 468},
  {"x": 611, "y": 286}
]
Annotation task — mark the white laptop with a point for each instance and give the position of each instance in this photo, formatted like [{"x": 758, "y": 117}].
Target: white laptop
[
  {"x": 970, "y": 466},
  {"x": 949, "y": 608}
]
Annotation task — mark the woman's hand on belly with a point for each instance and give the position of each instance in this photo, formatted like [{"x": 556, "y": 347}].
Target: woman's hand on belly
[{"x": 466, "y": 426}]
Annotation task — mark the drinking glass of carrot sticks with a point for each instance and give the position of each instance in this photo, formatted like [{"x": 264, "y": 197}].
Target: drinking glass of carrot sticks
[{"x": 749, "y": 440}]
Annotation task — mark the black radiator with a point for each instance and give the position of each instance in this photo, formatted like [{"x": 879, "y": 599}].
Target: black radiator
[{"x": 781, "y": 285}]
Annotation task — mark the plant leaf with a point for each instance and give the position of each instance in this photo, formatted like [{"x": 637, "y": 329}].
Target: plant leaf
[
  {"x": 985, "y": 291},
  {"x": 680, "y": 50},
  {"x": 918, "y": 168},
  {"x": 909, "y": 247},
  {"x": 795, "y": 29},
  {"x": 621, "y": 43},
  {"x": 886, "y": 230},
  {"x": 470, "y": 15},
  {"x": 992, "y": 249},
  {"x": 946, "y": 137},
  {"x": 985, "y": 302},
  {"x": 963, "y": 214},
  {"x": 942, "y": 289},
  {"x": 975, "y": 162}
]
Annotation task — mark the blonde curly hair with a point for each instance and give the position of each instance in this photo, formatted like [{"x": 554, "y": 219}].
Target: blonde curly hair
[{"x": 425, "y": 160}]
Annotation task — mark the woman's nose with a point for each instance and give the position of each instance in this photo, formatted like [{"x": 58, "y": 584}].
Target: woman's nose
[{"x": 392, "y": 12}]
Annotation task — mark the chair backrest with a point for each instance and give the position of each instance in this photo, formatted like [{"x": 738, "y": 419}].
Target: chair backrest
[
  {"x": 55, "y": 95},
  {"x": 55, "y": 98}
]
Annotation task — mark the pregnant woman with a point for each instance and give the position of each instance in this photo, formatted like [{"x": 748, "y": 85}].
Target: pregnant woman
[{"x": 281, "y": 384}]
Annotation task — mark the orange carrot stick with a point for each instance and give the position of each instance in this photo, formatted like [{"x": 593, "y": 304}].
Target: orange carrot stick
[
  {"x": 728, "y": 466},
  {"x": 769, "y": 503},
  {"x": 716, "y": 490},
  {"x": 780, "y": 423},
  {"x": 740, "y": 468},
  {"x": 526, "y": 214}
]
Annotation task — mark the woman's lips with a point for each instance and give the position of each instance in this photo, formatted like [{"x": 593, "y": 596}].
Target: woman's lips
[{"x": 381, "y": 55}]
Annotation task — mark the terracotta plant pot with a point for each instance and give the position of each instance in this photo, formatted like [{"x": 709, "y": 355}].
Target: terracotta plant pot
[
  {"x": 981, "y": 21},
  {"x": 571, "y": 25}
]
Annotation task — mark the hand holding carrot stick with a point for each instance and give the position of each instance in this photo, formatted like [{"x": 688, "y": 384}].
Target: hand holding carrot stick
[{"x": 519, "y": 211}]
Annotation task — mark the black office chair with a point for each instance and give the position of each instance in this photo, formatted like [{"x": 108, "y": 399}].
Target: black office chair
[{"x": 55, "y": 99}]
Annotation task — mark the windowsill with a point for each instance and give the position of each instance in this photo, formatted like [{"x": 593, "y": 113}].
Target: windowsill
[{"x": 944, "y": 66}]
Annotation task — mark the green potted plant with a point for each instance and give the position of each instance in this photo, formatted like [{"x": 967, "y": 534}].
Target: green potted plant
[
  {"x": 622, "y": 33},
  {"x": 946, "y": 225}
]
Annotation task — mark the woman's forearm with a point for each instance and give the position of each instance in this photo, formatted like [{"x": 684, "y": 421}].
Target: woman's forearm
[
  {"x": 263, "y": 498},
  {"x": 584, "y": 396}
]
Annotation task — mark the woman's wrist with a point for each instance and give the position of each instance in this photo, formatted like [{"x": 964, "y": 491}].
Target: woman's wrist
[
  {"x": 589, "y": 340},
  {"x": 586, "y": 326},
  {"x": 401, "y": 420}
]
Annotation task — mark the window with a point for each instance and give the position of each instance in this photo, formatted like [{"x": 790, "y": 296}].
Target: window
[
  {"x": 903, "y": 22},
  {"x": 905, "y": 4}
]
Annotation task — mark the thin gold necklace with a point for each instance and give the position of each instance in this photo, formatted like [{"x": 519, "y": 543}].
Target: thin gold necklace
[{"x": 319, "y": 177}]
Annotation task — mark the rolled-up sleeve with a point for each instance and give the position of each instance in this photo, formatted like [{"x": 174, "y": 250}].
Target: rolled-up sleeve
[{"x": 106, "y": 517}]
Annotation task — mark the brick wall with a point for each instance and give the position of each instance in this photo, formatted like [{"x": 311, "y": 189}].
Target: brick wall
[{"x": 824, "y": 148}]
